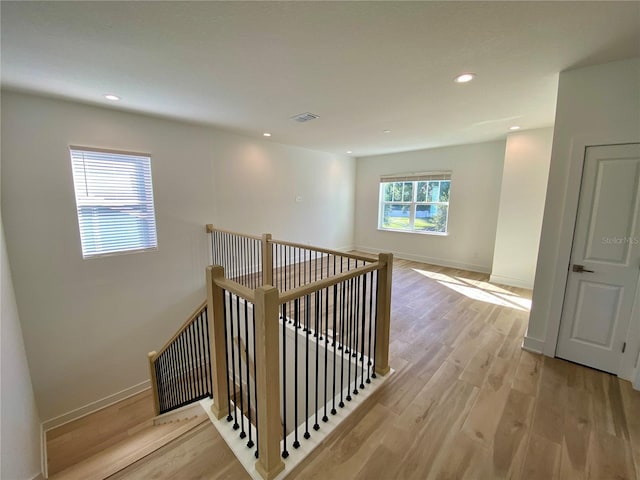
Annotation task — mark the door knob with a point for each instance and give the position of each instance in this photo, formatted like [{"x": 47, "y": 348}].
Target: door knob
[{"x": 581, "y": 269}]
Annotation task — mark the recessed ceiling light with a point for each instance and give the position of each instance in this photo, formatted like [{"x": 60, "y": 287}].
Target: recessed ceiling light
[
  {"x": 464, "y": 78},
  {"x": 349, "y": 151},
  {"x": 515, "y": 127},
  {"x": 266, "y": 134},
  {"x": 386, "y": 131},
  {"x": 112, "y": 97}
]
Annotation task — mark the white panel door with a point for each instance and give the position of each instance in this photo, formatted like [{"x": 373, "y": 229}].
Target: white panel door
[{"x": 605, "y": 259}]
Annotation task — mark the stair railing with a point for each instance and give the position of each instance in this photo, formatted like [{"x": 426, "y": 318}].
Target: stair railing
[
  {"x": 334, "y": 307},
  {"x": 181, "y": 371}
]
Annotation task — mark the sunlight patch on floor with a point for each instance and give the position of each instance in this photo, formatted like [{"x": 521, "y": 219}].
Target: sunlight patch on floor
[{"x": 480, "y": 290}]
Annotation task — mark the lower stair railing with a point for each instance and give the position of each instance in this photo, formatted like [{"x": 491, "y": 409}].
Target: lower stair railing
[{"x": 181, "y": 372}]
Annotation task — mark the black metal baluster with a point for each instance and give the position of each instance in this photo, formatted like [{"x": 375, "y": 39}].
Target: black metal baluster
[
  {"x": 375, "y": 333},
  {"x": 335, "y": 316},
  {"x": 307, "y": 319},
  {"x": 169, "y": 377},
  {"x": 207, "y": 355},
  {"x": 296, "y": 313},
  {"x": 348, "y": 349},
  {"x": 325, "y": 418},
  {"x": 362, "y": 335},
  {"x": 196, "y": 338},
  {"x": 299, "y": 267},
  {"x": 243, "y": 261},
  {"x": 181, "y": 366},
  {"x": 225, "y": 255},
  {"x": 176, "y": 373},
  {"x": 237, "y": 258},
  {"x": 198, "y": 353},
  {"x": 316, "y": 426},
  {"x": 354, "y": 349},
  {"x": 341, "y": 347},
  {"x": 239, "y": 342},
  {"x": 189, "y": 365},
  {"x": 226, "y": 299},
  {"x": 320, "y": 324},
  {"x": 192, "y": 354},
  {"x": 173, "y": 374},
  {"x": 246, "y": 334},
  {"x": 161, "y": 382},
  {"x": 192, "y": 386},
  {"x": 285, "y": 453}
]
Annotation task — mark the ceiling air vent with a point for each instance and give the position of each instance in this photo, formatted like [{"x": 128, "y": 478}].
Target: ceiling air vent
[{"x": 305, "y": 117}]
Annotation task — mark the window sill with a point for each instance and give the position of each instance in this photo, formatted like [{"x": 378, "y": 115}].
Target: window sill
[{"x": 435, "y": 234}]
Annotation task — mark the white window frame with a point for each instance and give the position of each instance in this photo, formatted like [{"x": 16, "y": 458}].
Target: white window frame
[
  {"x": 414, "y": 178},
  {"x": 114, "y": 201}
]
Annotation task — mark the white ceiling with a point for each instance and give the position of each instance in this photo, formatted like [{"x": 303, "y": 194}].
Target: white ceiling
[{"x": 362, "y": 66}]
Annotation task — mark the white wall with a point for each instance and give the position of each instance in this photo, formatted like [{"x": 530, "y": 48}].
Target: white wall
[
  {"x": 256, "y": 190},
  {"x": 475, "y": 190},
  {"x": 20, "y": 424},
  {"x": 88, "y": 324},
  {"x": 524, "y": 186},
  {"x": 596, "y": 105}
]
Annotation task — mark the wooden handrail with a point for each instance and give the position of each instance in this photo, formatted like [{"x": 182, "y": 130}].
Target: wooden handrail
[
  {"x": 184, "y": 326},
  {"x": 354, "y": 256},
  {"x": 236, "y": 289},
  {"x": 210, "y": 228},
  {"x": 327, "y": 282}
]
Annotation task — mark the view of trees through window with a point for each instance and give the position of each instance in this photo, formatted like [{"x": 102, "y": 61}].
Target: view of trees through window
[{"x": 416, "y": 206}]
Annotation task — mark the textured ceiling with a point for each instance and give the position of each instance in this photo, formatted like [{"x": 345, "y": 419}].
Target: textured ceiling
[{"x": 363, "y": 67}]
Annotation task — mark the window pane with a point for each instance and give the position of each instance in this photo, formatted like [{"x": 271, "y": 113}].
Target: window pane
[
  {"x": 397, "y": 192},
  {"x": 407, "y": 192},
  {"x": 433, "y": 193},
  {"x": 431, "y": 218},
  {"x": 421, "y": 194},
  {"x": 396, "y": 216},
  {"x": 444, "y": 190},
  {"x": 388, "y": 192}
]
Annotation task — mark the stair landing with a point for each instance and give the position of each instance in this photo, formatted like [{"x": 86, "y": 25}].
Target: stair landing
[{"x": 104, "y": 442}]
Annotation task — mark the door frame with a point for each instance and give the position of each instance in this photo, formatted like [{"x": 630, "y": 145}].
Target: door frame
[{"x": 579, "y": 144}]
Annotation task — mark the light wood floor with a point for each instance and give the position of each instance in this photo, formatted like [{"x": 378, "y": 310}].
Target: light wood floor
[
  {"x": 102, "y": 443},
  {"x": 465, "y": 402}
]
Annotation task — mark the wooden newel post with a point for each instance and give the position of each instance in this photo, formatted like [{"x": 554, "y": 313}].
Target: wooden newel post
[
  {"x": 154, "y": 383},
  {"x": 269, "y": 463},
  {"x": 215, "y": 317},
  {"x": 267, "y": 260},
  {"x": 384, "y": 313}
]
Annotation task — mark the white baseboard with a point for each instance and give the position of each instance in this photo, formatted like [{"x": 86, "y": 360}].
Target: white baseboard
[
  {"x": 95, "y": 406},
  {"x": 512, "y": 282},
  {"x": 533, "y": 345},
  {"x": 441, "y": 262}
]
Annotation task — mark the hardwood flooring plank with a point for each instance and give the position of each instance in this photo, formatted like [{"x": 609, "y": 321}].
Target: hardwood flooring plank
[
  {"x": 542, "y": 459},
  {"x": 483, "y": 419},
  {"x": 528, "y": 373},
  {"x": 551, "y": 401},
  {"x": 577, "y": 426},
  {"x": 609, "y": 457},
  {"x": 509, "y": 442}
]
